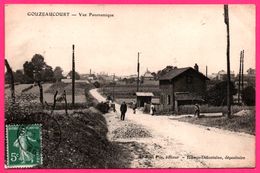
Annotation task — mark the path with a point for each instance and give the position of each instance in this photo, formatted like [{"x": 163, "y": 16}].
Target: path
[{"x": 183, "y": 144}]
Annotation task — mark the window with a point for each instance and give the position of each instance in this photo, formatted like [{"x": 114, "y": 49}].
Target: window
[{"x": 168, "y": 99}]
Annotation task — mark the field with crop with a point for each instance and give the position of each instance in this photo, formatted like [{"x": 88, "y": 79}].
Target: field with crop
[{"x": 128, "y": 91}]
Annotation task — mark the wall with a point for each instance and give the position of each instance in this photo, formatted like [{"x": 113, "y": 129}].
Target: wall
[
  {"x": 181, "y": 84},
  {"x": 197, "y": 85},
  {"x": 166, "y": 88}
]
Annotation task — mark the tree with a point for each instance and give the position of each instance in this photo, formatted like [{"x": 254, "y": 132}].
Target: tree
[
  {"x": 28, "y": 72},
  {"x": 77, "y": 76},
  {"x": 37, "y": 70},
  {"x": 38, "y": 63},
  {"x": 217, "y": 95},
  {"x": 248, "y": 96},
  {"x": 7, "y": 78},
  {"x": 58, "y": 73},
  {"x": 47, "y": 74},
  {"x": 19, "y": 76}
]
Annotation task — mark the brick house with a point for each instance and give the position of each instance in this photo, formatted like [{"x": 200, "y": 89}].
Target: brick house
[{"x": 181, "y": 86}]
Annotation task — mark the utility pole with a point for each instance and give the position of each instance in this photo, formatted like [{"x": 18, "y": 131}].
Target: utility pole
[
  {"x": 138, "y": 72},
  {"x": 114, "y": 87},
  {"x": 242, "y": 71},
  {"x": 239, "y": 77},
  {"x": 228, "y": 62},
  {"x": 73, "y": 76},
  {"x": 206, "y": 71}
]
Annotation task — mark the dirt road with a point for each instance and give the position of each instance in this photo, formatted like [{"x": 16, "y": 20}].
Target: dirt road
[{"x": 179, "y": 144}]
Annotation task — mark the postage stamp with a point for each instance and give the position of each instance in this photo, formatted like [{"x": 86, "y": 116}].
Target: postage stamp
[{"x": 24, "y": 146}]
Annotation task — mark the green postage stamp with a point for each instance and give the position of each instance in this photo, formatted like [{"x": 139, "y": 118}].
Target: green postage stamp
[{"x": 24, "y": 146}]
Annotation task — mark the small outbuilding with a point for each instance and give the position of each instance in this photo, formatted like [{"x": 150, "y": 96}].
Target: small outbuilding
[{"x": 143, "y": 97}]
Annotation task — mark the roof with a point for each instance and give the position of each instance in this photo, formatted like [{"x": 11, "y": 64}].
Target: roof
[
  {"x": 178, "y": 71},
  {"x": 144, "y": 94}
]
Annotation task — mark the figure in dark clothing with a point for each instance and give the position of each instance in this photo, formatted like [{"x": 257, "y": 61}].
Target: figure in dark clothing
[
  {"x": 197, "y": 110},
  {"x": 134, "y": 107},
  {"x": 123, "y": 109}
]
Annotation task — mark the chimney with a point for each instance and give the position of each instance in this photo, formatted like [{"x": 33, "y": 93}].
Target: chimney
[{"x": 196, "y": 67}]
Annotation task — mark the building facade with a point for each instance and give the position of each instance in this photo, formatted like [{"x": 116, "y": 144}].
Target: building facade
[{"x": 181, "y": 86}]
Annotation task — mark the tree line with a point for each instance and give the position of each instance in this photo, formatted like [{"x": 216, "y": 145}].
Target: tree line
[{"x": 37, "y": 70}]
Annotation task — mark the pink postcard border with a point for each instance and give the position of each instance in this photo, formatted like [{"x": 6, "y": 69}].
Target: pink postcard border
[{"x": 201, "y": 170}]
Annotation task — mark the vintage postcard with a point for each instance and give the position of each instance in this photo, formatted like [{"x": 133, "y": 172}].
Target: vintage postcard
[{"x": 130, "y": 86}]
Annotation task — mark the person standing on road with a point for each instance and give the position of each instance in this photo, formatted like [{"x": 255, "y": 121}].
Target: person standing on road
[
  {"x": 152, "y": 108},
  {"x": 134, "y": 107},
  {"x": 123, "y": 109},
  {"x": 197, "y": 110}
]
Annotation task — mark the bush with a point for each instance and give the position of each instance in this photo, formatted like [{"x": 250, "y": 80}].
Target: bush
[
  {"x": 24, "y": 105},
  {"x": 248, "y": 96},
  {"x": 102, "y": 107},
  {"x": 61, "y": 106},
  {"x": 96, "y": 84},
  {"x": 217, "y": 95}
]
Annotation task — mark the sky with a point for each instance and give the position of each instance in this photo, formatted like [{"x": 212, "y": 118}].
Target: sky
[{"x": 177, "y": 35}]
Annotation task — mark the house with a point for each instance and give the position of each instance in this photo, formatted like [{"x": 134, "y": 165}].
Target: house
[
  {"x": 222, "y": 75},
  {"x": 181, "y": 86},
  {"x": 149, "y": 79},
  {"x": 143, "y": 97},
  {"x": 147, "y": 76}
]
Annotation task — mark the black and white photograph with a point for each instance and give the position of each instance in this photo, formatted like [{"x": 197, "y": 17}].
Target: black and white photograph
[{"x": 130, "y": 86}]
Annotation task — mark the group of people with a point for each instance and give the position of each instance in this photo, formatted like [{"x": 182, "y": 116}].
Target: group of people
[{"x": 123, "y": 109}]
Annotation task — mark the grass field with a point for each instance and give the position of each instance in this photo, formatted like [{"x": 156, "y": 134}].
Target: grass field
[
  {"x": 243, "y": 123},
  {"x": 189, "y": 109},
  {"x": 18, "y": 89},
  {"x": 48, "y": 92},
  {"x": 60, "y": 87}
]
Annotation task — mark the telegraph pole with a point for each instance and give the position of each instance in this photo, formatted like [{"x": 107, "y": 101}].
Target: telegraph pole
[
  {"x": 114, "y": 87},
  {"x": 228, "y": 62},
  {"x": 206, "y": 71},
  {"x": 73, "y": 76},
  {"x": 138, "y": 71},
  {"x": 242, "y": 71},
  {"x": 239, "y": 77}
]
